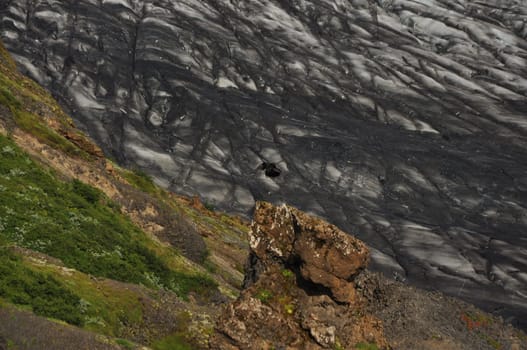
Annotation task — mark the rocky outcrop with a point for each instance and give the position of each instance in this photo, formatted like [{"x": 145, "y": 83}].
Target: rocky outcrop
[
  {"x": 322, "y": 254},
  {"x": 300, "y": 287}
]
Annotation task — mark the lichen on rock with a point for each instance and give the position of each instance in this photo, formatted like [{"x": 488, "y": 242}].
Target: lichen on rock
[{"x": 299, "y": 288}]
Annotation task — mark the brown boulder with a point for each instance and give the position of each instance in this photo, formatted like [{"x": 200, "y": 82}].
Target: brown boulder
[
  {"x": 300, "y": 291},
  {"x": 325, "y": 255}
]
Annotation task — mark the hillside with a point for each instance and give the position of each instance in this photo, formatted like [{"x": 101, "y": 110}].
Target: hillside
[
  {"x": 97, "y": 246},
  {"x": 402, "y": 121},
  {"x": 95, "y": 256}
]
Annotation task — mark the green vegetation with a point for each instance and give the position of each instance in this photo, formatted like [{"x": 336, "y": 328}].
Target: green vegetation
[
  {"x": 125, "y": 343},
  {"x": 289, "y": 309},
  {"x": 179, "y": 339},
  {"x": 140, "y": 180},
  {"x": 33, "y": 124},
  {"x": 264, "y": 295},
  {"x": 174, "y": 342},
  {"x": 90, "y": 194},
  {"x": 106, "y": 306},
  {"x": 11, "y": 345},
  {"x": 7, "y": 99},
  {"x": 366, "y": 346},
  {"x": 42, "y": 293},
  {"x": 493, "y": 342},
  {"x": 288, "y": 274},
  {"x": 79, "y": 225}
]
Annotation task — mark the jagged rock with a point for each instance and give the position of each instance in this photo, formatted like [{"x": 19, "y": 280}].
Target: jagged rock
[
  {"x": 83, "y": 143},
  {"x": 325, "y": 255},
  {"x": 300, "y": 287}
]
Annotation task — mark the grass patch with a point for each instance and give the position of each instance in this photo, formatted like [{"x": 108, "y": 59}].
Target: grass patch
[
  {"x": 125, "y": 343},
  {"x": 7, "y": 99},
  {"x": 76, "y": 223},
  {"x": 173, "y": 342},
  {"x": 140, "y": 180},
  {"x": 106, "y": 307},
  {"x": 41, "y": 293},
  {"x": 27, "y": 120},
  {"x": 90, "y": 194},
  {"x": 33, "y": 125},
  {"x": 366, "y": 346}
]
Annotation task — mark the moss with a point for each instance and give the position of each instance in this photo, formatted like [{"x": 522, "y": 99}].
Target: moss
[
  {"x": 366, "y": 346},
  {"x": 140, "y": 180},
  {"x": 7, "y": 99},
  {"x": 264, "y": 295},
  {"x": 338, "y": 345},
  {"x": 174, "y": 342},
  {"x": 125, "y": 343},
  {"x": 209, "y": 265},
  {"x": 11, "y": 345},
  {"x": 288, "y": 274},
  {"x": 289, "y": 309}
]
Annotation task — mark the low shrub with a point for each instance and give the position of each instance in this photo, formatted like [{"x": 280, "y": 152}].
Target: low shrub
[
  {"x": 42, "y": 293},
  {"x": 90, "y": 194},
  {"x": 69, "y": 221}
]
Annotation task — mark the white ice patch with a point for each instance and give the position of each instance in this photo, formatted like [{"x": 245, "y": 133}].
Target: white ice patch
[
  {"x": 396, "y": 117},
  {"x": 292, "y": 130},
  {"x": 32, "y": 70},
  {"x": 155, "y": 118},
  {"x": 332, "y": 172},
  {"x": 17, "y": 24},
  {"x": 224, "y": 82},
  {"x": 149, "y": 156},
  {"x": 425, "y": 127},
  {"x": 214, "y": 190},
  {"x": 11, "y": 35},
  {"x": 84, "y": 98},
  {"x": 386, "y": 262},
  {"x": 244, "y": 197},
  {"x": 271, "y": 155},
  {"x": 366, "y": 185},
  {"x": 123, "y": 3},
  {"x": 416, "y": 177},
  {"x": 427, "y": 246}
]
